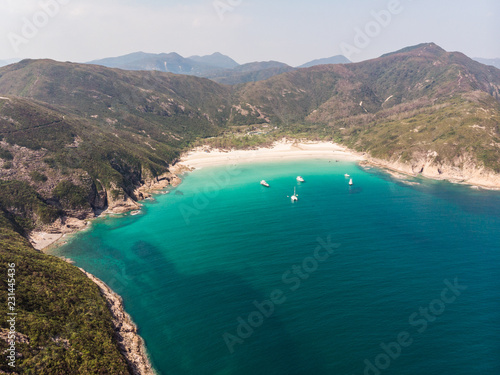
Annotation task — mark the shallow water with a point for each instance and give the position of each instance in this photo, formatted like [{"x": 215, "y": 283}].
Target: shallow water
[{"x": 350, "y": 269}]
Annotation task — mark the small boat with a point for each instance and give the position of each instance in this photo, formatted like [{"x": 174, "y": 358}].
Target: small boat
[
  {"x": 350, "y": 182},
  {"x": 346, "y": 175},
  {"x": 264, "y": 183},
  {"x": 295, "y": 197},
  {"x": 300, "y": 179}
]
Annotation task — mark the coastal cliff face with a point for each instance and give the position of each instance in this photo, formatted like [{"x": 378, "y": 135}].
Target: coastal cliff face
[
  {"x": 130, "y": 343},
  {"x": 464, "y": 170}
]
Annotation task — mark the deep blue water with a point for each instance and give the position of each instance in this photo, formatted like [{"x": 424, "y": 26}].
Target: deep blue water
[{"x": 418, "y": 264}]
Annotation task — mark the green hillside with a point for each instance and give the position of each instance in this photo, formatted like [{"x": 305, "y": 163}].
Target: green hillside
[
  {"x": 107, "y": 131},
  {"x": 63, "y": 322},
  {"x": 76, "y": 139},
  {"x": 418, "y": 100}
]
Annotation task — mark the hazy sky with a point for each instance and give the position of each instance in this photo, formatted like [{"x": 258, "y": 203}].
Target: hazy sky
[{"x": 290, "y": 31}]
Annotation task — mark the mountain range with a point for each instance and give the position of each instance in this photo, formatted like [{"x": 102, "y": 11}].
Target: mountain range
[
  {"x": 401, "y": 107},
  {"x": 76, "y": 139},
  {"x": 217, "y": 67}
]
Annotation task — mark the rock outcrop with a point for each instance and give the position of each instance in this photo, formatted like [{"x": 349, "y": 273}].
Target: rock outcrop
[
  {"x": 131, "y": 345},
  {"x": 462, "y": 170}
]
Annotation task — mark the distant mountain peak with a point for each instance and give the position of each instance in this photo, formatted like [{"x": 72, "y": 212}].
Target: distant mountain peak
[
  {"x": 216, "y": 59},
  {"x": 422, "y": 47},
  {"x": 339, "y": 59}
]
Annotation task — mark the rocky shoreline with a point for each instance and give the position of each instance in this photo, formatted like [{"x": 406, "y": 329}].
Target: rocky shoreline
[
  {"x": 130, "y": 344},
  {"x": 470, "y": 174},
  {"x": 79, "y": 221}
]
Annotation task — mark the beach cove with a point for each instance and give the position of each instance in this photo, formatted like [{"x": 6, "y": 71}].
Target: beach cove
[{"x": 190, "y": 281}]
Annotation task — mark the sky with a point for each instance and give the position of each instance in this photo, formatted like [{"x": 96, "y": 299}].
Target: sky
[{"x": 290, "y": 31}]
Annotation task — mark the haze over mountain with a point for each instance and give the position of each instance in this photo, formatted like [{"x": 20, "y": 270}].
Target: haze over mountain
[
  {"x": 8, "y": 62},
  {"x": 492, "y": 62},
  {"x": 216, "y": 59},
  {"x": 251, "y": 72},
  {"x": 339, "y": 59},
  {"x": 166, "y": 62},
  {"x": 217, "y": 67}
]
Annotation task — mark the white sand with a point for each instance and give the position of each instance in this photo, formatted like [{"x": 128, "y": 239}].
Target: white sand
[
  {"x": 282, "y": 150},
  {"x": 199, "y": 158}
]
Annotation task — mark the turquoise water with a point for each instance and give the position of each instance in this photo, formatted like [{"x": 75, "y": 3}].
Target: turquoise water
[{"x": 224, "y": 276}]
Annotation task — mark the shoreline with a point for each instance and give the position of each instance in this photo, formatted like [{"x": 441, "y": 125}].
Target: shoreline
[
  {"x": 280, "y": 151},
  {"x": 130, "y": 343},
  {"x": 197, "y": 158},
  {"x": 489, "y": 182},
  {"x": 283, "y": 150}
]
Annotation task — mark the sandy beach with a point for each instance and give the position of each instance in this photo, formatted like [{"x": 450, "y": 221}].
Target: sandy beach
[{"x": 282, "y": 150}]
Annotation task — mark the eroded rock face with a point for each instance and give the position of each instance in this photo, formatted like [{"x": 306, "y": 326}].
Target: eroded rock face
[
  {"x": 99, "y": 197},
  {"x": 119, "y": 201},
  {"x": 463, "y": 169}
]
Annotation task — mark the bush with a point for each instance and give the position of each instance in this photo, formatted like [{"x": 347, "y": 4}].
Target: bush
[
  {"x": 38, "y": 177},
  {"x": 25, "y": 205},
  {"x": 6, "y": 154},
  {"x": 71, "y": 195}
]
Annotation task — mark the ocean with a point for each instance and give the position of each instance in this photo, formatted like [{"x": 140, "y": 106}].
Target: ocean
[{"x": 225, "y": 276}]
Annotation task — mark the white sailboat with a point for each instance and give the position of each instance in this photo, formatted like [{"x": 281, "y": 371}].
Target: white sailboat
[
  {"x": 346, "y": 175},
  {"x": 295, "y": 197},
  {"x": 300, "y": 179},
  {"x": 264, "y": 183},
  {"x": 350, "y": 182}
]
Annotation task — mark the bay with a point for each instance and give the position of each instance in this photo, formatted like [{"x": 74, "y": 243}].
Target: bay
[{"x": 225, "y": 276}]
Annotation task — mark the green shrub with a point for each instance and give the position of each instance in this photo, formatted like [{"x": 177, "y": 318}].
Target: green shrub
[
  {"x": 38, "y": 177},
  {"x": 25, "y": 205},
  {"x": 6, "y": 154},
  {"x": 71, "y": 195}
]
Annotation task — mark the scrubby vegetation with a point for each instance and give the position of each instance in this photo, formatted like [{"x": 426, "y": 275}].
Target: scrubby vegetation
[
  {"x": 63, "y": 322},
  {"x": 38, "y": 176},
  {"x": 25, "y": 206},
  {"x": 71, "y": 131},
  {"x": 71, "y": 195}
]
